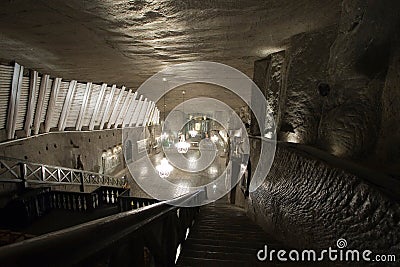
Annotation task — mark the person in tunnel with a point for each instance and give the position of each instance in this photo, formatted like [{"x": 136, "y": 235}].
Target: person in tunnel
[{"x": 79, "y": 163}]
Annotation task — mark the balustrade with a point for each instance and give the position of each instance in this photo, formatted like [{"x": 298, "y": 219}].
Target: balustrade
[
  {"x": 129, "y": 238},
  {"x": 15, "y": 170}
]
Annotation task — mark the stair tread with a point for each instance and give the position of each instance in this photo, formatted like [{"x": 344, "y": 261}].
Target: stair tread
[{"x": 224, "y": 236}]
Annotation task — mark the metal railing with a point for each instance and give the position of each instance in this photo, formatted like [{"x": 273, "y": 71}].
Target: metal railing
[
  {"x": 16, "y": 170},
  {"x": 131, "y": 238}
]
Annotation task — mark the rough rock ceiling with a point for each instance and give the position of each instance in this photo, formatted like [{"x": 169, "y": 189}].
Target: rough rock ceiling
[{"x": 125, "y": 42}]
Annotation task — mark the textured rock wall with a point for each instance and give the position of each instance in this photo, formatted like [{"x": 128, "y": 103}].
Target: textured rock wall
[
  {"x": 357, "y": 67},
  {"x": 306, "y": 202},
  {"x": 268, "y": 77},
  {"x": 306, "y": 58},
  {"x": 388, "y": 148},
  {"x": 358, "y": 60}
]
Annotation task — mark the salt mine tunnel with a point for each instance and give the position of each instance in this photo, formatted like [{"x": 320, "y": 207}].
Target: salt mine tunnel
[{"x": 200, "y": 133}]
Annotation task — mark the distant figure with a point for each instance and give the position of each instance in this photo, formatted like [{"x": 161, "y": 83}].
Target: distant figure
[
  {"x": 79, "y": 164},
  {"x": 125, "y": 183}
]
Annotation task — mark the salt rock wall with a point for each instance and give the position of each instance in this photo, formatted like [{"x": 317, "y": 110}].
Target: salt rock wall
[
  {"x": 307, "y": 203},
  {"x": 358, "y": 67},
  {"x": 388, "y": 146},
  {"x": 268, "y": 75},
  {"x": 307, "y": 59}
]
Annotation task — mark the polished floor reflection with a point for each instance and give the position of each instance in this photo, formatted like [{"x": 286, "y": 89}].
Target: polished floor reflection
[{"x": 195, "y": 179}]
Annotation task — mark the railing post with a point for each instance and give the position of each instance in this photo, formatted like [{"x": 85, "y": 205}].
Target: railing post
[
  {"x": 43, "y": 173},
  {"x": 82, "y": 186},
  {"x": 22, "y": 174}
]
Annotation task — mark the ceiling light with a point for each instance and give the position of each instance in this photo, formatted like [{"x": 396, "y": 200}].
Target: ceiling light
[
  {"x": 164, "y": 168},
  {"x": 214, "y": 138},
  {"x": 182, "y": 146},
  {"x": 193, "y": 133}
]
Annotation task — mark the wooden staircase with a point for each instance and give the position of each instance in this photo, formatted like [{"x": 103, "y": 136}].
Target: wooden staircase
[{"x": 224, "y": 236}]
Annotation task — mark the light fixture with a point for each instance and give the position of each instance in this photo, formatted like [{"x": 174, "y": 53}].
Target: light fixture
[
  {"x": 193, "y": 133},
  {"x": 164, "y": 136},
  {"x": 214, "y": 138},
  {"x": 182, "y": 146},
  {"x": 164, "y": 169}
]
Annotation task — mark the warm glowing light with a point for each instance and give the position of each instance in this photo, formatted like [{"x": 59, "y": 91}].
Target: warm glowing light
[
  {"x": 292, "y": 138},
  {"x": 268, "y": 135},
  {"x": 164, "y": 168}
]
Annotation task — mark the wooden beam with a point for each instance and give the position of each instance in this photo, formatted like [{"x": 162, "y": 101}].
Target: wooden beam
[
  {"x": 158, "y": 117},
  {"x": 97, "y": 107},
  {"x": 150, "y": 116},
  {"x": 154, "y": 115},
  {"x": 128, "y": 116},
  {"x": 14, "y": 100},
  {"x": 52, "y": 104},
  {"x": 146, "y": 114},
  {"x": 142, "y": 112},
  {"x": 106, "y": 113},
  {"x": 131, "y": 107},
  {"x": 67, "y": 105},
  {"x": 123, "y": 108},
  {"x": 149, "y": 113},
  {"x": 125, "y": 116},
  {"x": 82, "y": 111},
  {"x": 31, "y": 104},
  {"x": 113, "y": 116},
  {"x": 39, "y": 105},
  {"x": 135, "y": 113}
]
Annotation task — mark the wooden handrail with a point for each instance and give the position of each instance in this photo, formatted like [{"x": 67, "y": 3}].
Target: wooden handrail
[
  {"x": 20, "y": 175},
  {"x": 52, "y": 166},
  {"x": 84, "y": 243}
]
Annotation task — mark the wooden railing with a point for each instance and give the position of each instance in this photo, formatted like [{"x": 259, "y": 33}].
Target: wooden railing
[
  {"x": 16, "y": 170},
  {"x": 35, "y": 202},
  {"x": 108, "y": 195},
  {"x": 30, "y": 205},
  {"x": 130, "y": 203},
  {"x": 131, "y": 238},
  {"x": 76, "y": 201}
]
